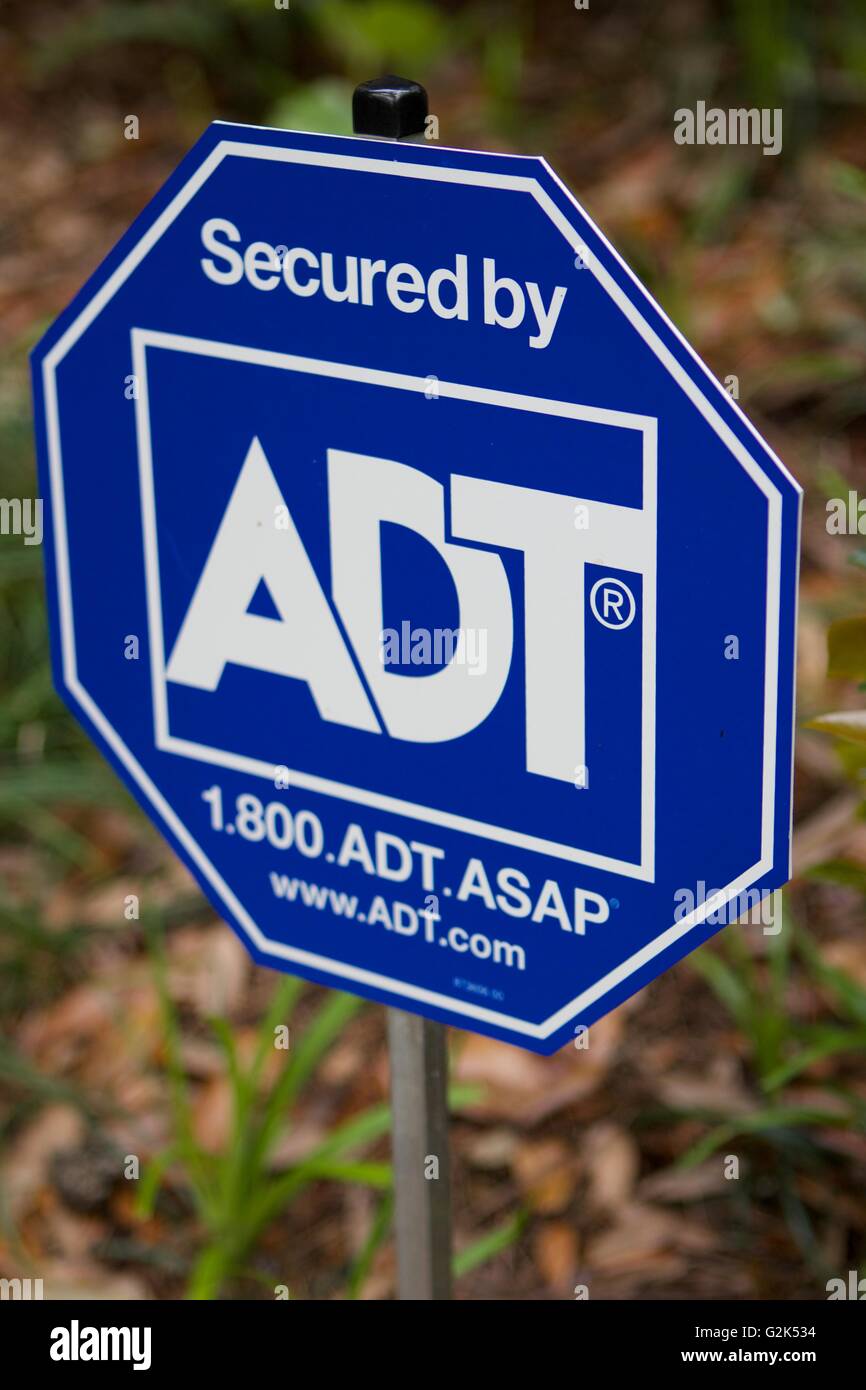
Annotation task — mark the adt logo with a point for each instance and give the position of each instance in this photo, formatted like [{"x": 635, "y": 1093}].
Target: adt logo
[
  {"x": 306, "y": 552},
  {"x": 449, "y": 676}
]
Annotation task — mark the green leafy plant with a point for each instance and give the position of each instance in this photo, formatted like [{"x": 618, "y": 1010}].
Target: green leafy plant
[
  {"x": 781, "y": 1048},
  {"x": 846, "y": 642},
  {"x": 325, "y": 106},
  {"x": 235, "y": 1193},
  {"x": 784, "y": 1128},
  {"x": 404, "y": 34}
]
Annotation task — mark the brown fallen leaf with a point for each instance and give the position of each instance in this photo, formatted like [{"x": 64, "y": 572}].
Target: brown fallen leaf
[
  {"x": 660, "y": 1055},
  {"x": 144, "y": 1120},
  {"x": 81, "y": 1279},
  {"x": 511, "y": 1078},
  {"x": 526, "y": 1089},
  {"x": 590, "y": 1065},
  {"x": 54, "y": 1035},
  {"x": 299, "y": 1140},
  {"x": 555, "y": 1251},
  {"x": 849, "y": 955},
  {"x": 74, "y": 1235},
  {"x": 20, "y": 872},
  {"x": 491, "y": 1148},
  {"x": 686, "y": 1184},
  {"x": 201, "y": 1058},
  {"x": 208, "y": 970},
  {"x": 212, "y": 1114},
  {"x": 546, "y": 1172},
  {"x": 106, "y": 906},
  {"x": 26, "y": 1165},
  {"x": 718, "y": 1087},
  {"x": 815, "y": 1098},
  {"x": 612, "y": 1164},
  {"x": 641, "y": 1235},
  {"x": 341, "y": 1063}
]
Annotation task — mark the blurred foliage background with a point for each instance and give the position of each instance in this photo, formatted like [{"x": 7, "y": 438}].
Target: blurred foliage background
[{"x": 149, "y": 1039}]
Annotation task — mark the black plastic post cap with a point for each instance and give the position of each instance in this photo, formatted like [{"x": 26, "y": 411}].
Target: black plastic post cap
[{"x": 391, "y": 107}]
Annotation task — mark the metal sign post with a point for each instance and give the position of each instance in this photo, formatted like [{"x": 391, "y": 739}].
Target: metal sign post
[
  {"x": 419, "y": 1108},
  {"x": 393, "y": 108}
]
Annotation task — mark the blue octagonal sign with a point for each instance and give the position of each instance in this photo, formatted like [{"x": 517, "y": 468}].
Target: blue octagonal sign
[{"x": 425, "y": 588}]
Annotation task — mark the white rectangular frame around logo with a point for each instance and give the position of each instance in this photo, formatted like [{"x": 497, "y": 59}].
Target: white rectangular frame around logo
[{"x": 142, "y": 339}]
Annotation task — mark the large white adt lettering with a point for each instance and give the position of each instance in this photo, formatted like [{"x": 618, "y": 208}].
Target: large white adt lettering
[
  {"x": 363, "y": 492},
  {"x": 555, "y": 555},
  {"x": 304, "y": 643}
]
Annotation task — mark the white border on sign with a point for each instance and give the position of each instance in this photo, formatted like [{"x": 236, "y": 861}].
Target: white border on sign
[
  {"x": 142, "y": 339},
  {"x": 477, "y": 178}
]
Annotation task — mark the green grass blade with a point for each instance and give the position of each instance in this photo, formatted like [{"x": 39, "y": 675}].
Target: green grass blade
[
  {"x": 280, "y": 1010},
  {"x": 378, "y": 1175},
  {"x": 375, "y": 1240},
  {"x": 832, "y": 1042},
  {"x": 151, "y": 1181},
  {"x": 725, "y": 984},
  {"x": 490, "y": 1244},
  {"x": 319, "y": 1035},
  {"x": 200, "y": 1166},
  {"x": 760, "y": 1122}
]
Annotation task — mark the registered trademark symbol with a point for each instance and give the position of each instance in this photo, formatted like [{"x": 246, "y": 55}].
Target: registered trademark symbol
[
  {"x": 612, "y": 602},
  {"x": 614, "y": 902}
]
